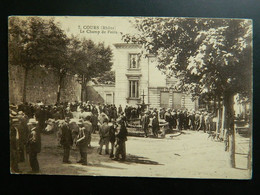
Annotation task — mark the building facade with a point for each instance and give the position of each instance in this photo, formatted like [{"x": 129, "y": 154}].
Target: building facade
[
  {"x": 100, "y": 93},
  {"x": 137, "y": 77}
]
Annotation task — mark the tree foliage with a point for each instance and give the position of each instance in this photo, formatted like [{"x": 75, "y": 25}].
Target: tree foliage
[
  {"x": 34, "y": 41},
  {"x": 28, "y": 41},
  {"x": 107, "y": 78},
  {"x": 206, "y": 55},
  {"x": 89, "y": 59}
]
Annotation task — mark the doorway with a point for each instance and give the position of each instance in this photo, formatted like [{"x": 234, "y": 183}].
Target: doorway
[
  {"x": 109, "y": 99},
  {"x": 164, "y": 102},
  {"x": 176, "y": 100}
]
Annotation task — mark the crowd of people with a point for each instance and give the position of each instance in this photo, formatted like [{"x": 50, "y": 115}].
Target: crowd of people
[
  {"x": 184, "y": 119},
  {"x": 177, "y": 119},
  {"x": 28, "y": 121},
  {"x": 75, "y": 122}
]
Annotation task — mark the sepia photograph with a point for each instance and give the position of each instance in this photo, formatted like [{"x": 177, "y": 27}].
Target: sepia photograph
[{"x": 161, "y": 97}]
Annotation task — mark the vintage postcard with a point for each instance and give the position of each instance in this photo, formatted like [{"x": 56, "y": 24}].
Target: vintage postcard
[{"x": 130, "y": 96}]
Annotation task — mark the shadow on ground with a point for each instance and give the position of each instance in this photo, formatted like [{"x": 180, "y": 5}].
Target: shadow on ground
[
  {"x": 139, "y": 160},
  {"x": 103, "y": 166}
]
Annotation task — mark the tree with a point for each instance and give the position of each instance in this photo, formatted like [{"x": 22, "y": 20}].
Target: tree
[
  {"x": 107, "y": 78},
  {"x": 208, "y": 56},
  {"x": 34, "y": 41},
  {"x": 89, "y": 60},
  {"x": 57, "y": 54}
]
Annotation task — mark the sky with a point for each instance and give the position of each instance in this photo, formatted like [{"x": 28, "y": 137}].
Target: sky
[{"x": 98, "y": 29}]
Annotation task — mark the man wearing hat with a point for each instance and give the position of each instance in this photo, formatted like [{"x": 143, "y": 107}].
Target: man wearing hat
[
  {"x": 145, "y": 123},
  {"x": 155, "y": 124},
  {"x": 173, "y": 119},
  {"x": 88, "y": 126},
  {"x": 121, "y": 138},
  {"x": 207, "y": 120},
  {"x": 66, "y": 140},
  {"x": 94, "y": 121},
  {"x": 13, "y": 142},
  {"x": 104, "y": 136},
  {"x": 82, "y": 141},
  {"x": 192, "y": 120},
  {"x": 197, "y": 120},
  {"x": 34, "y": 144},
  {"x": 161, "y": 113},
  {"x": 168, "y": 118},
  {"x": 23, "y": 134},
  {"x": 179, "y": 120},
  {"x": 201, "y": 122},
  {"x": 112, "y": 137},
  {"x": 120, "y": 109},
  {"x": 68, "y": 113},
  {"x": 40, "y": 117}
]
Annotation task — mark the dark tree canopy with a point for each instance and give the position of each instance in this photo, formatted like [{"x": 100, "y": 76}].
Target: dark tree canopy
[
  {"x": 89, "y": 59},
  {"x": 34, "y": 41}
]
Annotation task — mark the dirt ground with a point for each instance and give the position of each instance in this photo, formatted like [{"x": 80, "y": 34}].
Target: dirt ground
[{"x": 189, "y": 155}]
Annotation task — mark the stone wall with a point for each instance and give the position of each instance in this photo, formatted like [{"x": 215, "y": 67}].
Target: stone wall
[{"x": 42, "y": 86}]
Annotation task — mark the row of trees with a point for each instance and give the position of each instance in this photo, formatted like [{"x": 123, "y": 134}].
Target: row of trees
[
  {"x": 34, "y": 41},
  {"x": 211, "y": 58}
]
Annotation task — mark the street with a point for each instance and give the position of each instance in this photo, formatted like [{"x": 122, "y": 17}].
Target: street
[{"x": 191, "y": 155}]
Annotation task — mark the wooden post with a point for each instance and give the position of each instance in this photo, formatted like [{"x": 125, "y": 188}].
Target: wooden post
[
  {"x": 215, "y": 105},
  {"x": 218, "y": 122},
  {"x": 249, "y": 158},
  {"x": 223, "y": 122},
  {"x": 218, "y": 118}
]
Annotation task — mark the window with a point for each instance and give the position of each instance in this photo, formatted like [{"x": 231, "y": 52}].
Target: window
[
  {"x": 133, "y": 89},
  {"x": 134, "y": 61}
]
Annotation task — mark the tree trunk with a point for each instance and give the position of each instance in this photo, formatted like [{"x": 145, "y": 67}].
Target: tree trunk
[
  {"x": 83, "y": 89},
  {"x": 223, "y": 120},
  {"x": 25, "y": 84},
  {"x": 59, "y": 88},
  {"x": 218, "y": 117},
  {"x": 229, "y": 126},
  {"x": 84, "y": 96},
  {"x": 215, "y": 105}
]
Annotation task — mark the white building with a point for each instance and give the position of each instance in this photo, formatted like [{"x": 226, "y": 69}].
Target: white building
[{"x": 136, "y": 74}]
